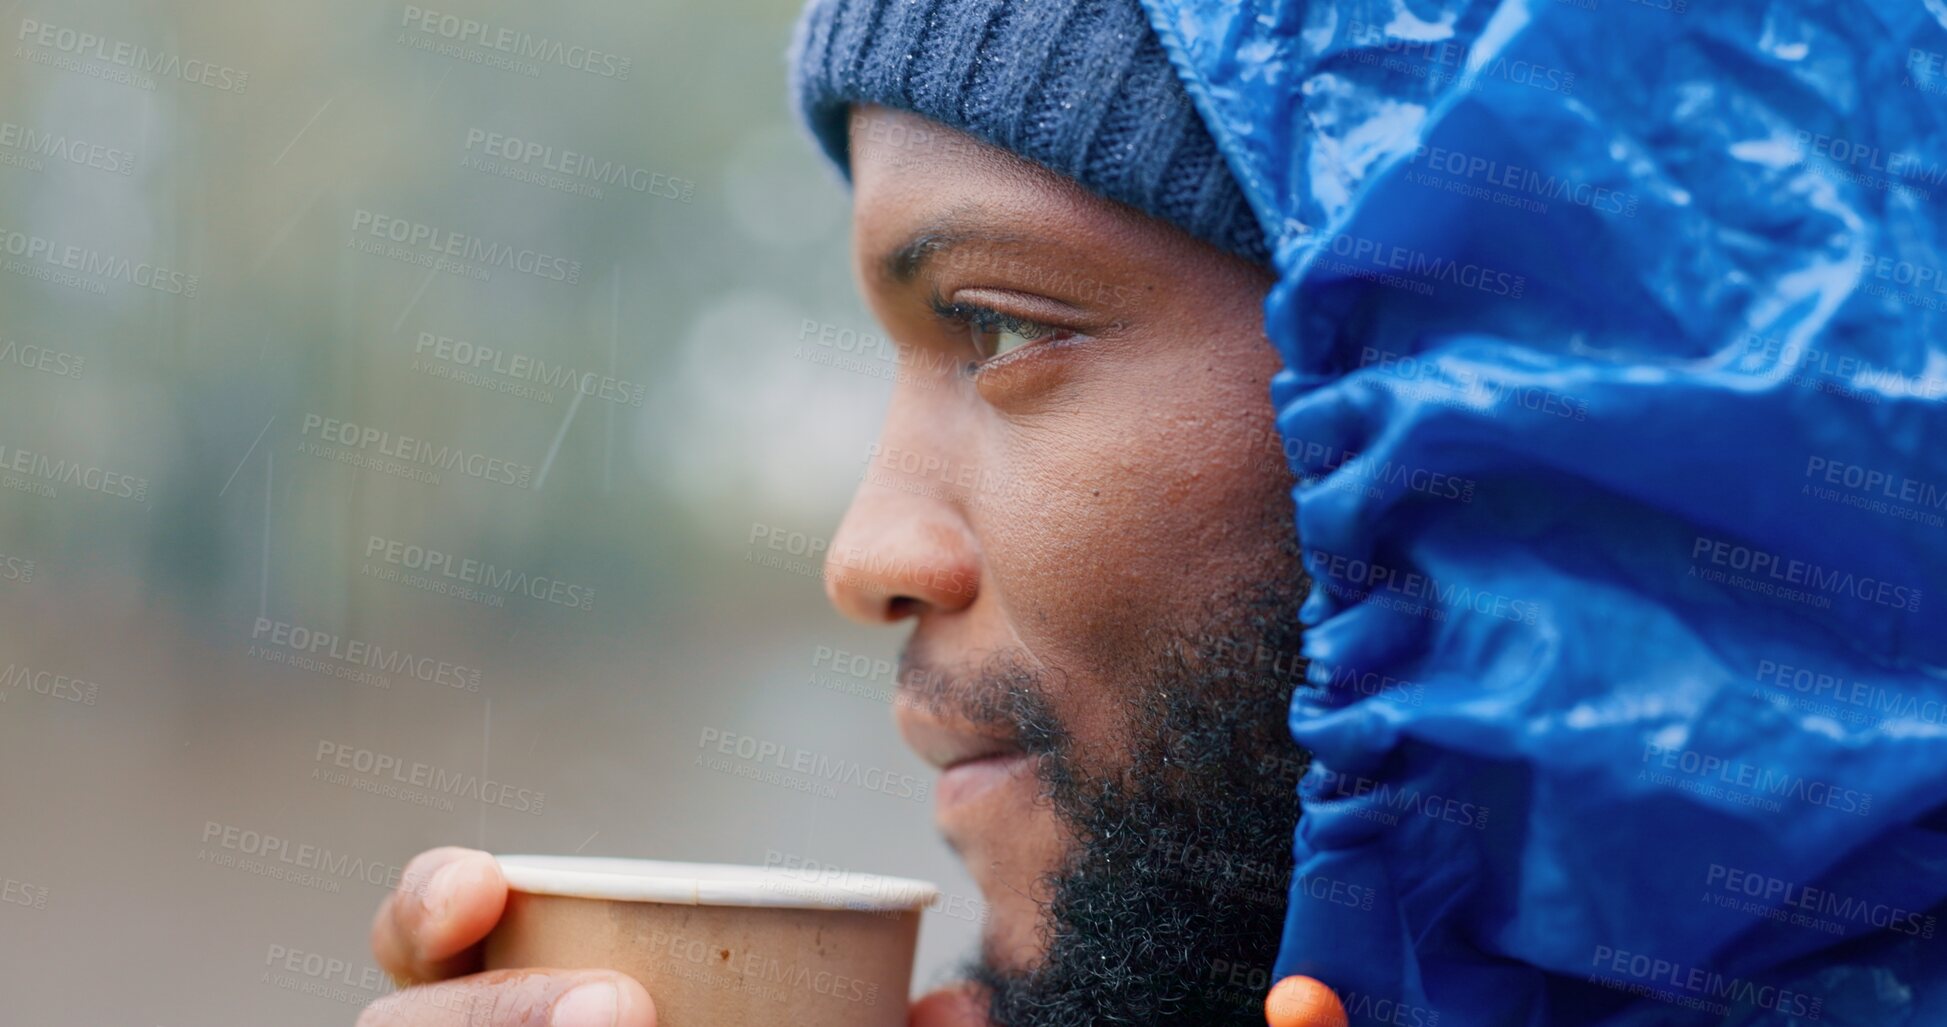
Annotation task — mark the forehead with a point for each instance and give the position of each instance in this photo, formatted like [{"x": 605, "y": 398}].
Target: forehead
[
  {"x": 912, "y": 176},
  {"x": 896, "y": 145}
]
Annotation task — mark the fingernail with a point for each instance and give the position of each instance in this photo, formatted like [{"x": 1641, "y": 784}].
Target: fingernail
[
  {"x": 441, "y": 890},
  {"x": 591, "y": 1005}
]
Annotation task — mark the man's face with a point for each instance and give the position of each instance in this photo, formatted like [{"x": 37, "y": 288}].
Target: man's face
[{"x": 1078, "y": 499}]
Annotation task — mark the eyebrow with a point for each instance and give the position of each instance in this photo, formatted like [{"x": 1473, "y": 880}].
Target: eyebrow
[{"x": 907, "y": 260}]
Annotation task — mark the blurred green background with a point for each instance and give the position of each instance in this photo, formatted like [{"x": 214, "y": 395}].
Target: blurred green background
[{"x": 234, "y": 697}]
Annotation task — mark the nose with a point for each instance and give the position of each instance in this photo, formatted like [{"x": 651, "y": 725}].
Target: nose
[{"x": 899, "y": 554}]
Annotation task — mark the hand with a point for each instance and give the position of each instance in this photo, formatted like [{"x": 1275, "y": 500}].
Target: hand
[
  {"x": 957, "y": 1005},
  {"x": 428, "y": 935},
  {"x": 1303, "y": 1002}
]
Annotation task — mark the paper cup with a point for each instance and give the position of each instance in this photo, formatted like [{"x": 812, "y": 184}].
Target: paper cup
[{"x": 718, "y": 945}]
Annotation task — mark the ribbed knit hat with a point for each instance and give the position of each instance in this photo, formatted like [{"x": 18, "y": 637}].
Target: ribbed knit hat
[{"x": 1081, "y": 87}]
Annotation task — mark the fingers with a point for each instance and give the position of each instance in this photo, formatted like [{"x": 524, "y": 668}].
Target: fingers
[
  {"x": 1303, "y": 1002},
  {"x": 430, "y": 927},
  {"x": 957, "y": 1005},
  {"x": 518, "y": 998}
]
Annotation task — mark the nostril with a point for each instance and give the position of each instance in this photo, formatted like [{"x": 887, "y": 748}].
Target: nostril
[{"x": 896, "y": 558}]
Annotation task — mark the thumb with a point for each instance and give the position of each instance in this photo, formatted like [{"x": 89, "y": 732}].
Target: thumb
[
  {"x": 1303, "y": 1002},
  {"x": 961, "y": 1004}
]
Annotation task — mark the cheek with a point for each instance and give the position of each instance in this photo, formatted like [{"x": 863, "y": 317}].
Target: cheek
[{"x": 1142, "y": 498}]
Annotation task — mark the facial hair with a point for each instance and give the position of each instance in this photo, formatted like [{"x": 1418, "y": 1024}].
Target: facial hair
[{"x": 1171, "y": 904}]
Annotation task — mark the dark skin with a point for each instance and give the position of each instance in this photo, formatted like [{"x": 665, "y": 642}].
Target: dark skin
[{"x": 1079, "y": 383}]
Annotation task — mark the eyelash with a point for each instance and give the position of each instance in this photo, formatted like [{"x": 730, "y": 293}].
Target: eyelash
[{"x": 970, "y": 316}]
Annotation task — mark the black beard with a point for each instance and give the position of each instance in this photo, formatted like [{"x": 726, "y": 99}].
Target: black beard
[{"x": 1170, "y": 909}]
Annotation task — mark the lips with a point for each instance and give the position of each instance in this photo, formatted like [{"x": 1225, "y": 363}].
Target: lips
[
  {"x": 948, "y": 743},
  {"x": 969, "y": 780},
  {"x": 972, "y": 761}
]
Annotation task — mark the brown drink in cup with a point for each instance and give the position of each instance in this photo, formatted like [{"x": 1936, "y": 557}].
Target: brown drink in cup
[{"x": 718, "y": 945}]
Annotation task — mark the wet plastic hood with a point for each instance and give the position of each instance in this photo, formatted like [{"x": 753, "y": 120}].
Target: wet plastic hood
[{"x": 1616, "y": 378}]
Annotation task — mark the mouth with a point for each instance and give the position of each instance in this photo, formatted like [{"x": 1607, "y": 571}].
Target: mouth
[
  {"x": 964, "y": 782},
  {"x": 972, "y": 761}
]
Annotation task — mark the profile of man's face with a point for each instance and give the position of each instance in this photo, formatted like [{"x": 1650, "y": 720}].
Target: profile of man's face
[{"x": 1079, "y": 502}]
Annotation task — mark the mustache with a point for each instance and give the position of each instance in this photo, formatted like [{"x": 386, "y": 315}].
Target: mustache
[{"x": 1002, "y": 692}]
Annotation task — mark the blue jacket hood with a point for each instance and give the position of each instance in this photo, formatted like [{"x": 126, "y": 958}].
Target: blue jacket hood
[{"x": 1615, "y": 362}]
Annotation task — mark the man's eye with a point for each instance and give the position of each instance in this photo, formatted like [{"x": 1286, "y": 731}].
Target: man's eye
[
  {"x": 993, "y": 333},
  {"x": 1002, "y": 341}
]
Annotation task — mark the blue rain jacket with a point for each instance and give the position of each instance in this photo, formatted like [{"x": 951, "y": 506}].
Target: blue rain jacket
[{"x": 1616, "y": 378}]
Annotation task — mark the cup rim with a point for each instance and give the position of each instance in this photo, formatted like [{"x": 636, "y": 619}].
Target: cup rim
[{"x": 712, "y": 884}]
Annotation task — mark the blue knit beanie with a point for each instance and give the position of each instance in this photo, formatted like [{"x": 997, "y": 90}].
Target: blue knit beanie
[{"x": 1081, "y": 87}]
